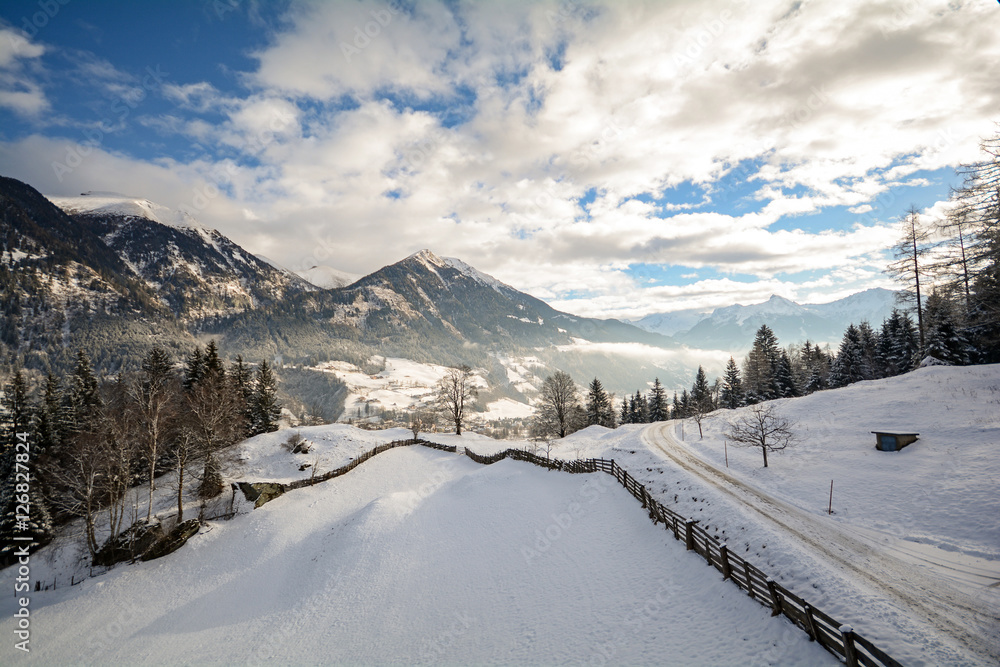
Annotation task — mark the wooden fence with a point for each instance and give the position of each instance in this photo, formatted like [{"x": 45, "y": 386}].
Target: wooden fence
[{"x": 835, "y": 637}]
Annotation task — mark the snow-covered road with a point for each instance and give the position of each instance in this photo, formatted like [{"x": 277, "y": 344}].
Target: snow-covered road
[{"x": 940, "y": 588}]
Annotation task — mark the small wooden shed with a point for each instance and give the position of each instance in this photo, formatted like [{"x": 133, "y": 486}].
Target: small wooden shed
[{"x": 893, "y": 441}]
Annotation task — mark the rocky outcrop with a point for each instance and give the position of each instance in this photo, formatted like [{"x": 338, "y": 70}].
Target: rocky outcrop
[
  {"x": 130, "y": 543},
  {"x": 173, "y": 540},
  {"x": 261, "y": 492}
]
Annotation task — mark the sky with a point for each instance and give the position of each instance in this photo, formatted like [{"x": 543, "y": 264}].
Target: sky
[{"x": 615, "y": 159}]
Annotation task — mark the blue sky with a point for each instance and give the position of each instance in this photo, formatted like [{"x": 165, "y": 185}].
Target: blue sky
[{"x": 614, "y": 158}]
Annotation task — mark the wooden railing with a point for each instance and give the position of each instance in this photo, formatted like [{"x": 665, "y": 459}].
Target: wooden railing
[{"x": 835, "y": 637}]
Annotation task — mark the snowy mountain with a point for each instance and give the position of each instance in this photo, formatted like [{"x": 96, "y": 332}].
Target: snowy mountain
[
  {"x": 112, "y": 268},
  {"x": 732, "y": 328},
  {"x": 670, "y": 323},
  {"x": 196, "y": 271},
  {"x": 63, "y": 287},
  {"x": 431, "y": 310},
  {"x": 327, "y": 277},
  {"x": 123, "y": 206}
]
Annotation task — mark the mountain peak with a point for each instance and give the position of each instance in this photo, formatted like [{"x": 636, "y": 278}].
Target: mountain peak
[
  {"x": 426, "y": 256},
  {"x": 115, "y": 204}
]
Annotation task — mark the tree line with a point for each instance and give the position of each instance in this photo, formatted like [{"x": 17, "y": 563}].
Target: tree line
[
  {"x": 766, "y": 373},
  {"x": 958, "y": 257},
  {"x": 93, "y": 441}
]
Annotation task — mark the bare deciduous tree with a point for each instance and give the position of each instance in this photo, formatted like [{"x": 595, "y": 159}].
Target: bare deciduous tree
[
  {"x": 213, "y": 419},
  {"x": 154, "y": 397},
  {"x": 558, "y": 407},
  {"x": 455, "y": 391},
  {"x": 759, "y": 426},
  {"x": 420, "y": 421},
  {"x": 909, "y": 252}
]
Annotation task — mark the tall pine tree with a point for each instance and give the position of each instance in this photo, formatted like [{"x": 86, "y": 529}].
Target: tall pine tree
[
  {"x": 16, "y": 456},
  {"x": 851, "y": 364},
  {"x": 732, "y": 387},
  {"x": 657, "y": 403},
  {"x": 266, "y": 410},
  {"x": 943, "y": 340},
  {"x": 599, "y": 409}
]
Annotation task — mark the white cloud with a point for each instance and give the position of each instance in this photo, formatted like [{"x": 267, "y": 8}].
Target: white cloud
[
  {"x": 337, "y": 152},
  {"x": 18, "y": 89}
]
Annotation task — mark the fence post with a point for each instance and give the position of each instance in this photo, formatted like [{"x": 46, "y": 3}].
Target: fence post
[
  {"x": 746, "y": 571},
  {"x": 775, "y": 598},
  {"x": 689, "y": 534},
  {"x": 677, "y": 535},
  {"x": 727, "y": 571},
  {"x": 851, "y": 653},
  {"x": 810, "y": 623}
]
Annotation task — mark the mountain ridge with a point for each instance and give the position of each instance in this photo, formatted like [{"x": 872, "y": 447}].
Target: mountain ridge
[{"x": 732, "y": 327}]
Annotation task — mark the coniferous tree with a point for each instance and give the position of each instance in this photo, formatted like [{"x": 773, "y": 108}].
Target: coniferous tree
[
  {"x": 784, "y": 379},
  {"x": 816, "y": 368},
  {"x": 83, "y": 399},
  {"x": 243, "y": 389},
  {"x": 869, "y": 347},
  {"x": 599, "y": 410},
  {"x": 657, "y": 403},
  {"x": 760, "y": 366},
  {"x": 701, "y": 398},
  {"x": 49, "y": 425},
  {"x": 677, "y": 412},
  {"x": 212, "y": 365},
  {"x": 943, "y": 340},
  {"x": 638, "y": 411},
  {"x": 195, "y": 369},
  {"x": 685, "y": 404},
  {"x": 266, "y": 410},
  {"x": 851, "y": 364},
  {"x": 732, "y": 387},
  {"x": 701, "y": 393},
  {"x": 625, "y": 415},
  {"x": 16, "y": 438},
  {"x": 897, "y": 344}
]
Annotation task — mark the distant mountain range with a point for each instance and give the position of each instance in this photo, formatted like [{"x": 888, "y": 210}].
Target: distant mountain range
[
  {"x": 732, "y": 328},
  {"x": 116, "y": 274}
]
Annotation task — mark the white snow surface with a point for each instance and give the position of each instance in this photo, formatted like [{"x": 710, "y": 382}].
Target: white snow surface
[
  {"x": 911, "y": 554},
  {"x": 421, "y": 557},
  {"x": 327, "y": 277},
  {"x": 113, "y": 203},
  {"x": 407, "y": 385}
]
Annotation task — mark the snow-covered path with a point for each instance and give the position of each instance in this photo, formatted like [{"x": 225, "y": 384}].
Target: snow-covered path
[
  {"x": 938, "y": 587},
  {"x": 419, "y": 556}
]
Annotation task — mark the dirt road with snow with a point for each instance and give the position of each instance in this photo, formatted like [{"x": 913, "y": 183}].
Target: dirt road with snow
[{"x": 943, "y": 589}]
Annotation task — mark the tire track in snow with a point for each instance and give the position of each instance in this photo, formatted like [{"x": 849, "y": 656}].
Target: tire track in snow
[{"x": 950, "y": 611}]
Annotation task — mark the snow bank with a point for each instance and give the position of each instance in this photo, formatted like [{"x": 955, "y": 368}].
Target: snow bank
[{"x": 420, "y": 557}]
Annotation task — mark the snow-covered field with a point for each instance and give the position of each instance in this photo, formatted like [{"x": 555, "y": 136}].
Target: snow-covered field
[
  {"x": 420, "y": 556},
  {"x": 407, "y": 385},
  {"x": 913, "y": 544}
]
